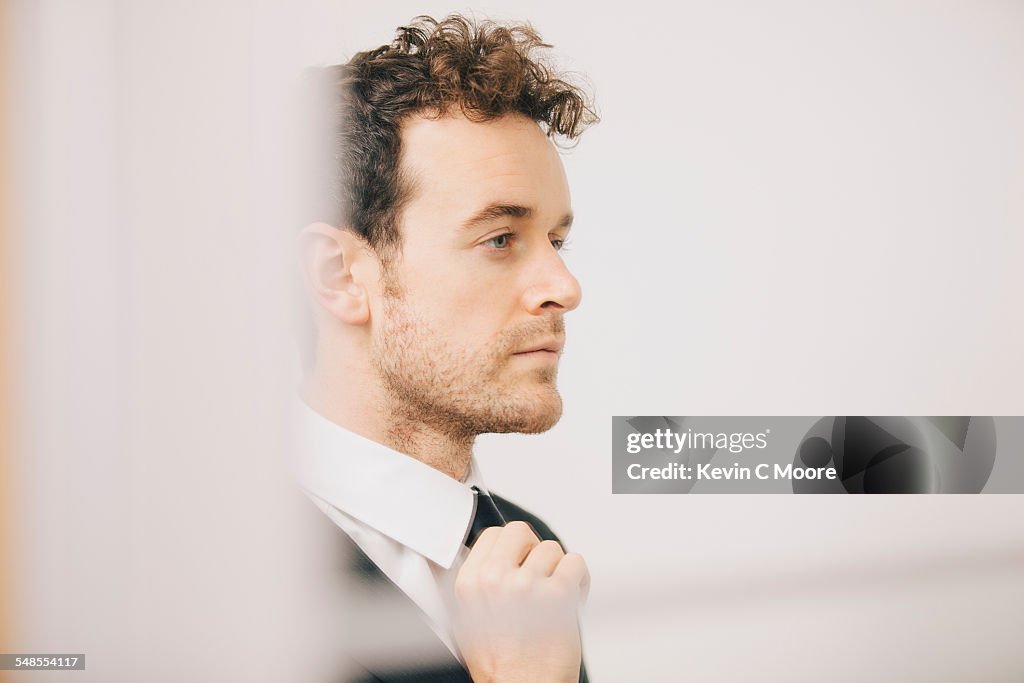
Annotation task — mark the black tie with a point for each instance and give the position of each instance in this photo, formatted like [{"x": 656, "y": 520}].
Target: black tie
[{"x": 487, "y": 515}]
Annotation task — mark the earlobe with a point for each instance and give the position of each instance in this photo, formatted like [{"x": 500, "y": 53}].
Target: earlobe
[{"x": 327, "y": 255}]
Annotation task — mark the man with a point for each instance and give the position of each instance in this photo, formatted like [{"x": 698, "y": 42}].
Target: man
[{"x": 438, "y": 296}]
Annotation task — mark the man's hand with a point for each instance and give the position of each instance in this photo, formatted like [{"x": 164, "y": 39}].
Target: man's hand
[{"x": 517, "y": 603}]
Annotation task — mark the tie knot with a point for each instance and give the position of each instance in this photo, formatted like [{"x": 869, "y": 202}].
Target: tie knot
[{"x": 486, "y": 515}]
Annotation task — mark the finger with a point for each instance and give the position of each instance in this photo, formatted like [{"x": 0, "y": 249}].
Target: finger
[
  {"x": 481, "y": 549},
  {"x": 572, "y": 569},
  {"x": 513, "y": 544},
  {"x": 543, "y": 559}
]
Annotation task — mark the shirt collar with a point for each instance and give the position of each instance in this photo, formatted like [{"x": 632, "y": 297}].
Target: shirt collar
[{"x": 393, "y": 493}]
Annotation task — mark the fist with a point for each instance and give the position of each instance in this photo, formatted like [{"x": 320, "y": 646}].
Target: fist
[{"x": 517, "y": 603}]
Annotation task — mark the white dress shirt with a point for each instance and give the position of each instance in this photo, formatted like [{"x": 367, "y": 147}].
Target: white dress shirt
[{"x": 410, "y": 519}]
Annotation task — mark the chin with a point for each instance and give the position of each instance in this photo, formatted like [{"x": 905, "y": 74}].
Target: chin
[
  {"x": 534, "y": 413},
  {"x": 540, "y": 423}
]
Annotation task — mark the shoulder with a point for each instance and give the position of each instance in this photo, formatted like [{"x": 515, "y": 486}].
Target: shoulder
[{"x": 513, "y": 513}]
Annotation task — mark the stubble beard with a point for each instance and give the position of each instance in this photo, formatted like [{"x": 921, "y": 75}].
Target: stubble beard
[{"x": 456, "y": 392}]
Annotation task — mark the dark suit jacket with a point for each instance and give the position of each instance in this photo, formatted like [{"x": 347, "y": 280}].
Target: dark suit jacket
[{"x": 433, "y": 662}]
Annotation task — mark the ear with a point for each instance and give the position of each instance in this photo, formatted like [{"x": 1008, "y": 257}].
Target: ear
[{"x": 328, "y": 258}]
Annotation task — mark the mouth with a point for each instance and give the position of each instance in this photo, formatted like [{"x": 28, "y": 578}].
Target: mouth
[{"x": 545, "y": 347}]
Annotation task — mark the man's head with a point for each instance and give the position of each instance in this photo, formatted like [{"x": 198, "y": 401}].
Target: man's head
[{"x": 445, "y": 279}]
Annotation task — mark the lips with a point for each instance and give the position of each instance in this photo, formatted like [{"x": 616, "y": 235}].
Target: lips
[{"x": 550, "y": 345}]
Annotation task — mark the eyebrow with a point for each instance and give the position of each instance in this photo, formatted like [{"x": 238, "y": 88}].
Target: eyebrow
[{"x": 495, "y": 211}]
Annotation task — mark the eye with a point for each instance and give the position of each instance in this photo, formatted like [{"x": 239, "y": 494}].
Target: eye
[
  {"x": 559, "y": 244},
  {"x": 502, "y": 241}
]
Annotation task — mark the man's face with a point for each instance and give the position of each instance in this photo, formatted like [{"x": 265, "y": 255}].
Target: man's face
[{"x": 468, "y": 329}]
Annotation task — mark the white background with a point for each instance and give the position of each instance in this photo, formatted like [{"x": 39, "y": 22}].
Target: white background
[{"x": 789, "y": 208}]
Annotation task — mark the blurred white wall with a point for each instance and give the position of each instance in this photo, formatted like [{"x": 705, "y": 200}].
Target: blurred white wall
[{"x": 789, "y": 208}]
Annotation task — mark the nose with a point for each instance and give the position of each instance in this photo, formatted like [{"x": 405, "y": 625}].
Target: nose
[{"x": 552, "y": 288}]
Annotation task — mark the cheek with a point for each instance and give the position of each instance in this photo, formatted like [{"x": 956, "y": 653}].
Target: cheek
[
  {"x": 466, "y": 299},
  {"x": 471, "y": 323}
]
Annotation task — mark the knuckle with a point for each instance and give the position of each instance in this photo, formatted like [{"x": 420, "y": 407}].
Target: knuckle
[
  {"x": 551, "y": 546},
  {"x": 521, "y": 583},
  {"x": 490, "y": 580},
  {"x": 576, "y": 559},
  {"x": 519, "y": 527},
  {"x": 559, "y": 581},
  {"x": 556, "y": 589}
]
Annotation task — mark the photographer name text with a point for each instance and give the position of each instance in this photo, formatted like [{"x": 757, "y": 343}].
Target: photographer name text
[{"x": 663, "y": 440}]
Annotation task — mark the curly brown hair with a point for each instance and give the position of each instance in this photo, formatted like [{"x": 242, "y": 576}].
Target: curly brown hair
[{"x": 481, "y": 69}]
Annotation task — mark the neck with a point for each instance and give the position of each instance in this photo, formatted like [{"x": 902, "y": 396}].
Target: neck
[
  {"x": 354, "y": 399},
  {"x": 450, "y": 453}
]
